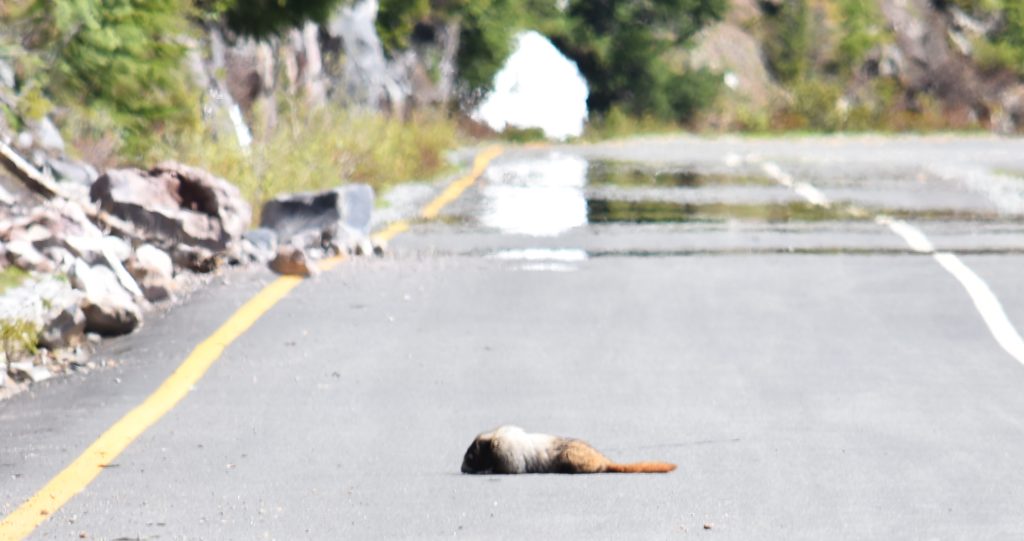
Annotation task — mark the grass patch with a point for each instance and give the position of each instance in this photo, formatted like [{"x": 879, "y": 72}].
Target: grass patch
[
  {"x": 623, "y": 174},
  {"x": 315, "y": 149},
  {"x": 515, "y": 134},
  {"x": 11, "y": 277},
  {"x": 17, "y": 338},
  {"x": 612, "y": 211},
  {"x": 1018, "y": 173},
  {"x": 617, "y": 123}
]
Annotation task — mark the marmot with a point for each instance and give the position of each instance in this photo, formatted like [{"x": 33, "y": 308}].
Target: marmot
[{"x": 509, "y": 449}]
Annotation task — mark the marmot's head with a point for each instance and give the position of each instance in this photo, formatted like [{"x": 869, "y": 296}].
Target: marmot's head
[{"x": 479, "y": 457}]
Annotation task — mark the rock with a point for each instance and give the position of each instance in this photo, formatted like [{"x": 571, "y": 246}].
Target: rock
[
  {"x": 72, "y": 171},
  {"x": 154, "y": 271},
  {"x": 27, "y": 370},
  {"x": 367, "y": 79},
  {"x": 108, "y": 308},
  {"x": 195, "y": 259},
  {"x": 86, "y": 247},
  {"x": 38, "y": 235},
  {"x": 365, "y": 247},
  {"x": 61, "y": 257},
  {"x": 119, "y": 248},
  {"x": 260, "y": 244},
  {"x": 212, "y": 195},
  {"x": 262, "y": 238},
  {"x": 7, "y": 74},
  {"x": 55, "y": 223},
  {"x": 342, "y": 214},
  {"x": 728, "y": 47},
  {"x": 6, "y": 197},
  {"x": 50, "y": 305},
  {"x": 173, "y": 203},
  {"x": 23, "y": 254},
  {"x": 293, "y": 261},
  {"x": 24, "y": 141},
  {"x": 63, "y": 322},
  {"x": 46, "y": 135},
  {"x": 65, "y": 329}
]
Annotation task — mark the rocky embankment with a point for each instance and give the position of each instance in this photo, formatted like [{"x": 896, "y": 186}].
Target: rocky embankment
[{"x": 87, "y": 257}]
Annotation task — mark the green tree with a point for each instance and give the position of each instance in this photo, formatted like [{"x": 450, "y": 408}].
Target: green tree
[
  {"x": 788, "y": 41},
  {"x": 621, "y": 46},
  {"x": 862, "y": 29},
  {"x": 263, "y": 18},
  {"x": 1012, "y": 32},
  {"x": 487, "y": 29},
  {"x": 396, "y": 20},
  {"x": 123, "y": 57}
]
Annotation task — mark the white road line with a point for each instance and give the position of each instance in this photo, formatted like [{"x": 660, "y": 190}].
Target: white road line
[
  {"x": 777, "y": 174},
  {"x": 914, "y": 237},
  {"x": 803, "y": 189},
  {"x": 811, "y": 194},
  {"x": 985, "y": 300},
  {"x": 987, "y": 304}
]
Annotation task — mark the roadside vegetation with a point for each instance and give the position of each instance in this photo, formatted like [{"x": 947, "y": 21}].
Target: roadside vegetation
[
  {"x": 11, "y": 277},
  {"x": 114, "y": 76},
  {"x": 314, "y": 149}
]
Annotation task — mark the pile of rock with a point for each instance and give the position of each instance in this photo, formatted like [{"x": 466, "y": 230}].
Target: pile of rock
[
  {"x": 126, "y": 247},
  {"x": 96, "y": 250},
  {"x": 96, "y": 264},
  {"x": 298, "y": 229}
]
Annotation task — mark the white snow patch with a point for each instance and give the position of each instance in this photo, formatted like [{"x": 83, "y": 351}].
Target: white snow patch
[{"x": 537, "y": 88}]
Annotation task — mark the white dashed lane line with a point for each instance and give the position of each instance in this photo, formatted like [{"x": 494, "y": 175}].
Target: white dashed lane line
[{"x": 986, "y": 302}]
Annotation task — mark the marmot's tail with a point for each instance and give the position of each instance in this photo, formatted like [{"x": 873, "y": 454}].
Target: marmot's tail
[{"x": 642, "y": 467}]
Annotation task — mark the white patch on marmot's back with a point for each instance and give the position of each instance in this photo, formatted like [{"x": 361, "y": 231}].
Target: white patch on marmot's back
[{"x": 529, "y": 452}]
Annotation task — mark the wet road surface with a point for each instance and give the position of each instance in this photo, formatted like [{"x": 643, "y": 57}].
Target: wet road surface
[{"x": 746, "y": 309}]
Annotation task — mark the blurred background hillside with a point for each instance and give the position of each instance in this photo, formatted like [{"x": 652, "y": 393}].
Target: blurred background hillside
[{"x": 286, "y": 95}]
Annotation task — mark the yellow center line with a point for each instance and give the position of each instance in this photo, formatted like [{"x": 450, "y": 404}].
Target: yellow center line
[
  {"x": 450, "y": 193},
  {"x": 84, "y": 469}
]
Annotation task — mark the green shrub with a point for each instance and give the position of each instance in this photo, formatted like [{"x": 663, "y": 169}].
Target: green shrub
[
  {"x": 862, "y": 29},
  {"x": 18, "y": 337},
  {"x": 516, "y": 134},
  {"x": 122, "y": 57},
  {"x": 322, "y": 148},
  {"x": 817, "y": 102},
  {"x": 618, "y": 123},
  {"x": 787, "y": 40},
  {"x": 998, "y": 56},
  {"x": 692, "y": 92}
]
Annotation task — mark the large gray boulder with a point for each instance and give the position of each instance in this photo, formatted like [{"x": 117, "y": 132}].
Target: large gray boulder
[
  {"x": 175, "y": 204},
  {"x": 108, "y": 308},
  {"x": 341, "y": 215}
]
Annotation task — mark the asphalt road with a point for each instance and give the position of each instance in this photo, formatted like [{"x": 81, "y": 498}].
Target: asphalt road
[{"x": 811, "y": 374}]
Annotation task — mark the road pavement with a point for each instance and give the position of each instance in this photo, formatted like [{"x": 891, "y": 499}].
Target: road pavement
[{"x": 813, "y": 376}]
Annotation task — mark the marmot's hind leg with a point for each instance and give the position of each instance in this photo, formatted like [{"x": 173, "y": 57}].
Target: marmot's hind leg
[{"x": 578, "y": 457}]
